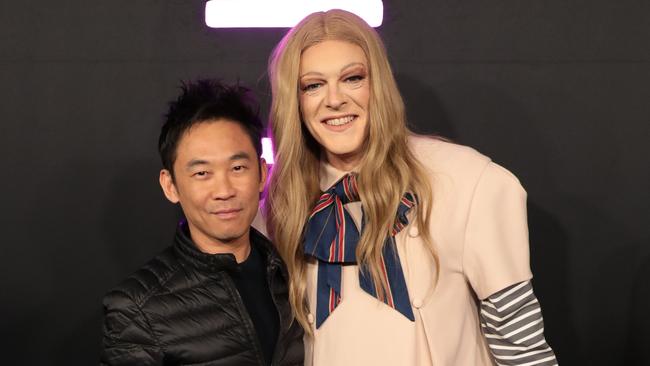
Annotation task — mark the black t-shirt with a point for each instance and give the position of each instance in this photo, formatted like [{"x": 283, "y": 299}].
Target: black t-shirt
[{"x": 252, "y": 284}]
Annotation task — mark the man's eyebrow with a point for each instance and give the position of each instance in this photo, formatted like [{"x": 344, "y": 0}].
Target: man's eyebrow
[
  {"x": 195, "y": 162},
  {"x": 242, "y": 155}
]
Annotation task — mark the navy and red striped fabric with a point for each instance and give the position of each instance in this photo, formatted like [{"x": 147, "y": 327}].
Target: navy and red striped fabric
[{"x": 331, "y": 236}]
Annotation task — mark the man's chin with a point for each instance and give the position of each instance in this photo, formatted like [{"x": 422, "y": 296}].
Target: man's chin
[{"x": 230, "y": 237}]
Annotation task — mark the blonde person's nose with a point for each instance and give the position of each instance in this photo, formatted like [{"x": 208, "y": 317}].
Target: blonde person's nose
[{"x": 335, "y": 98}]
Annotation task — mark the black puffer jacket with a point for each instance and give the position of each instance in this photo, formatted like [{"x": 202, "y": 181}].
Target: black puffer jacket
[{"x": 182, "y": 308}]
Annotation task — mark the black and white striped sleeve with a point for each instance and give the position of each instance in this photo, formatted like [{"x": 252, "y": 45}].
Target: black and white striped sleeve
[{"x": 512, "y": 323}]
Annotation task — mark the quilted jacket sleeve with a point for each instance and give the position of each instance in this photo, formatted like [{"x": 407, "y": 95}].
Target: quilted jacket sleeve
[{"x": 127, "y": 339}]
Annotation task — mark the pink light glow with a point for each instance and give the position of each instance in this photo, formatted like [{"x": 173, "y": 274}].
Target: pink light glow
[
  {"x": 267, "y": 150},
  {"x": 283, "y": 13}
]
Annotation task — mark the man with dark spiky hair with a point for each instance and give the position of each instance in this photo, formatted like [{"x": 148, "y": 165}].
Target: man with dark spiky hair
[{"x": 218, "y": 295}]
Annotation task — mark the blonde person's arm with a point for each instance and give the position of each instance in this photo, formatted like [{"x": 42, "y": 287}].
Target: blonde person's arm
[{"x": 512, "y": 324}]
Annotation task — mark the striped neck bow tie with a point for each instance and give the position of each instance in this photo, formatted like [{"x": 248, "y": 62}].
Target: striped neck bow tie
[{"x": 332, "y": 237}]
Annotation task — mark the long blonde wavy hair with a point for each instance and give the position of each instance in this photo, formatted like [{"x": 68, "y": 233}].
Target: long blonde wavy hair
[{"x": 387, "y": 169}]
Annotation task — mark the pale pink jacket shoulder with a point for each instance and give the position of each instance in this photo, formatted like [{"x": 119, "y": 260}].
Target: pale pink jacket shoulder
[{"x": 480, "y": 231}]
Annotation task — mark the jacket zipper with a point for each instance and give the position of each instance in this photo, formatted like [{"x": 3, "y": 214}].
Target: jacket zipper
[
  {"x": 270, "y": 276},
  {"x": 247, "y": 319}
]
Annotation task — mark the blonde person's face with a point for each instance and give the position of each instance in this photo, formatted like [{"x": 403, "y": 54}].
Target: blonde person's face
[{"x": 334, "y": 94}]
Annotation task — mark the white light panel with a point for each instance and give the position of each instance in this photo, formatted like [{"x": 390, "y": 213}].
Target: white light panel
[
  {"x": 267, "y": 150},
  {"x": 283, "y": 13}
]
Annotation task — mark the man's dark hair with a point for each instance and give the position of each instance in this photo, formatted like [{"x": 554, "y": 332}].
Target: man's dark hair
[{"x": 206, "y": 100}]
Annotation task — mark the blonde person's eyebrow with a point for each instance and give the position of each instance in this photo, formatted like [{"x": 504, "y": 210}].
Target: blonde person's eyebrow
[
  {"x": 352, "y": 64},
  {"x": 311, "y": 73},
  {"x": 316, "y": 73}
]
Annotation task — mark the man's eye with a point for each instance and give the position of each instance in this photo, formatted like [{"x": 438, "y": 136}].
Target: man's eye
[
  {"x": 238, "y": 168},
  {"x": 202, "y": 173}
]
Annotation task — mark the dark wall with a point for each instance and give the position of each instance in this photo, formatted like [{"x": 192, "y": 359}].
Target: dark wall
[{"x": 556, "y": 91}]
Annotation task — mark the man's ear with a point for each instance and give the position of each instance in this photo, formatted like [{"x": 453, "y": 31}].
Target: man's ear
[
  {"x": 167, "y": 184},
  {"x": 264, "y": 172}
]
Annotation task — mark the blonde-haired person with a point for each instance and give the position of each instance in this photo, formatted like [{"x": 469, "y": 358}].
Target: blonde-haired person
[{"x": 402, "y": 250}]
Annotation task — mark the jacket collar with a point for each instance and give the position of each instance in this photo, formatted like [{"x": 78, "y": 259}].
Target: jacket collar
[
  {"x": 188, "y": 251},
  {"x": 267, "y": 248}
]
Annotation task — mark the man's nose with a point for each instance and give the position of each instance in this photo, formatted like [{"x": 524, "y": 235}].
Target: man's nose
[{"x": 223, "y": 187}]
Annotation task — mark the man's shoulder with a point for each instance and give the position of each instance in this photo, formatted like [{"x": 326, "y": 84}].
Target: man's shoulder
[{"x": 138, "y": 287}]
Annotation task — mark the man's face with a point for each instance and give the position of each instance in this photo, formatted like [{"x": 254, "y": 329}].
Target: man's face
[{"x": 217, "y": 181}]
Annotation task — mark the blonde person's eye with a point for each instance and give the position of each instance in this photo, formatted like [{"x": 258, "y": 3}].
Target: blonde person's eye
[
  {"x": 311, "y": 87},
  {"x": 355, "y": 78}
]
